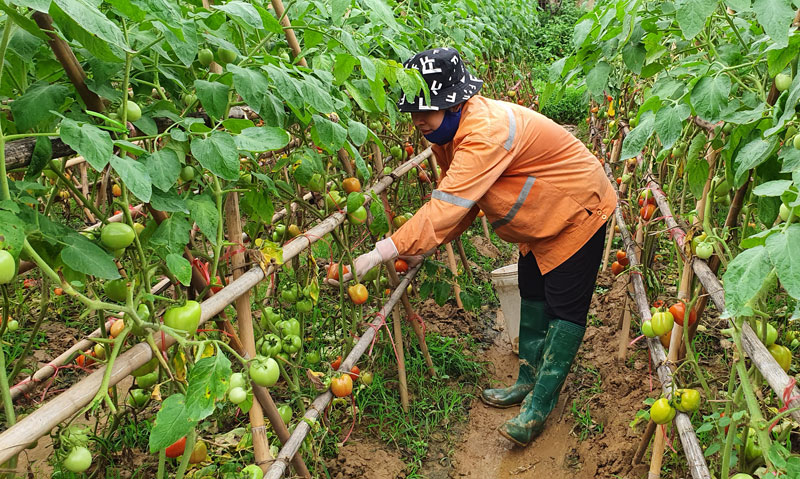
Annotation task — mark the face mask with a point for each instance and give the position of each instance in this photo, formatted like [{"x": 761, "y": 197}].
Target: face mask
[{"x": 447, "y": 130}]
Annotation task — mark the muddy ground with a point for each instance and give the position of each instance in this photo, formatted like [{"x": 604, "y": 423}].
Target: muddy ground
[{"x": 611, "y": 390}]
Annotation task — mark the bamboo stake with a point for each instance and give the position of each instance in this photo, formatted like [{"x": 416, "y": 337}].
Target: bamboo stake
[
  {"x": 14, "y": 439},
  {"x": 485, "y": 225},
  {"x": 69, "y": 63},
  {"x": 423, "y": 345},
  {"x": 278, "y": 468},
  {"x": 615, "y": 152},
  {"x": 463, "y": 255},
  {"x": 657, "y": 455},
  {"x": 244, "y": 319},
  {"x": 649, "y": 431},
  {"x": 401, "y": 358}
]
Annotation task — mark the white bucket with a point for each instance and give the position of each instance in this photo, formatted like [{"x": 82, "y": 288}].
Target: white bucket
[{"x": 506, "y": 286}]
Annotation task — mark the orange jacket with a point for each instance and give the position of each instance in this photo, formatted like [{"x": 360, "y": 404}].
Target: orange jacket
[{"x": 538, "y": 185}]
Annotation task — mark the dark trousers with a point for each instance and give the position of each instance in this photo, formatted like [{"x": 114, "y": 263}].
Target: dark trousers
[{"x": 566, "y": 290}]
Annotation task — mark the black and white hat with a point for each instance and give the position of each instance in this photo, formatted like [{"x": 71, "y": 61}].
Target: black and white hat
[{"x": 448, "y": 80}]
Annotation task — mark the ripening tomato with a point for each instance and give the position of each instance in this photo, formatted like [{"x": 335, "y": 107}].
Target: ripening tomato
[
  {"x": 351, "y": 184},
  {"x": 400, "y": 266},
  {"x": 409, "y": 149},
  {"x": 678, "y": 309},
  {"x": 622, "y": 258},
  {"x": 646, "y": 212},
  {"x": 646, "y": 196},
  {"x": 782, "y": 355},
  {"x": 358, "y": 293},
  {"x": 342, "y": 385},
  {"x": 333, "y": 271},
  {"x": 662, "y": 322},
  {"x": 116, "y": 190},
  {"x": 58, "y": 291},
  {"x": 354, "y": 372},
  {"x": 617, "y": 268},
  {"x": 176, "y": 449},
  {"x": 199, "y": 452}
]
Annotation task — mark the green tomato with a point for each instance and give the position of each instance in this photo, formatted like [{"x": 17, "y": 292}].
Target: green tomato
[
  {"x": 704, "y": 250},
  {"x": 291, "y": 344},
  {"x": 387, "y": 170},
  {"x": 782, "y": 355},
  {"x": 647, "y": 329},
  {"x": 237, "y": 380},
  {"x": 316, "y": 183},
  {"x": 205, "y": 57},
  {"x": 662, "y": 323},
  {"x": 146, "y": 368},
  {"x": 772, "y": 333},
  {"x": 661, "y": 412},
  {"x": 722, "y": 189},
  {"x": 359, "y": 216},
  {"x": 286, "y": 413},
  {"x": 147, "y": 380},
  {"x": 134, "y": 112},
  {"x": 396, "y": 151},
  {"x": 189, "y": 99},
  {"x": 728, "y": 128},
  {"x": 312, "y": 358},
  {"x": 138, "y": 398},
  {"x": 782, "y": 81},
  {"x": 784, "y": 212},
  {"x": 13, "y": 325},
  {"x": 333, "y": 200},
  {"x": 289, "y": 294},
  {"x": 184, "y": 318},
  {"x": 304, "y": 306},
  {"x": 290, "y": 327},
  {"x": 796, "y": 141},
  {"x": 8, "y": 267},
  {"x": 78, "y": 460},
  {"x": 252, "y": 472},
  {"x": 144, "y": 314},
  {"x": 116, "y": 236},
  {"x": 264, "y": 371},
  {"x": 187, "y": 173},
  {"x": 371, "y": 275},
  {"x": 116, "y": 290},
  {"x": 237, "y": 395},
  {"x": 751, "y": 449},
  {"x": 740, "y": 475},
  {"x": 366, "y": 378},
  {"x": 687, "y": 400},
  {"x": 225, "y": 56},
  {"x": 270, "y": 345}
]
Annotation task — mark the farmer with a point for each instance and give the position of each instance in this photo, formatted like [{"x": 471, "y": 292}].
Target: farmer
[{"x": 539, "y": 187}]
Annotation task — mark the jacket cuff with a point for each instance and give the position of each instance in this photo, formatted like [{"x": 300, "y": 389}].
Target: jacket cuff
[{"x": 387, "y": 249}]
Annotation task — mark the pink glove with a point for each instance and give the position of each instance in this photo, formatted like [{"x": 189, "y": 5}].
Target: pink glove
[{"x": 385, "y": 250}]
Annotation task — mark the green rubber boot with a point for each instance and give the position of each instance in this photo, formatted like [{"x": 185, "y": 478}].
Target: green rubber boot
[
  {"x": 561, "y": 345},
  {"x": 533, "y": 323}
]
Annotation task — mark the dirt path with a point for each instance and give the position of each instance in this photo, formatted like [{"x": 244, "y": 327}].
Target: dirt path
[{"x": 611, "y": 391}]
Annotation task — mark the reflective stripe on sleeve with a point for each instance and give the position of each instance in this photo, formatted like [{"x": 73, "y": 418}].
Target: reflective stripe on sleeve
[
  {"x": 452, "y": 199},
  {"x": 523, "y": 195},
  {"x": 512, "y": 129}
]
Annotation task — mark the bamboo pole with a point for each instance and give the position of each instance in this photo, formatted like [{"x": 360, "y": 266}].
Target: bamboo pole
[
  {"x": 657, "y": 456},
  {"x": 663, "y": 367},
  {"x": 321, "y": 402},
  {"x": 485, "y": 224},
  {"x": 244, "y": 320},
  {"x": 423, "y": 345},
  {"x": 463, "y": 255},
  {"x": 649, "y": 431},
  {"x": 615, "y": 152},
  {"x": 30, "y": 428}
]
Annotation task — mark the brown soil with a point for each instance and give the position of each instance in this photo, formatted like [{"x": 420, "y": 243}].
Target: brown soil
[{"x": 612, "y": 391}]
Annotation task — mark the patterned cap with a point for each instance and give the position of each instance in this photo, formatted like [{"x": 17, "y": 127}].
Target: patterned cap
[{"x": 448, "y": 80}]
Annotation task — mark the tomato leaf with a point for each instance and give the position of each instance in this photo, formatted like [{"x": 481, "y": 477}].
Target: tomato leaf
[
  {"x": 42, "y": 153},
  {"x": 785, "y": 255},
  {"x": 243, "y": 12},
  {"x": 172, "y": 234},
  {"x": 669, "y": 123},
  {"x": 172, "y": 423},
  {"x": 168, "y": 201},
  {"x": 635, "y": 140},
  {"x": 94, "y": 144},
  {"x": 776, "y": 18},
  {"x": 380, "y": 224},
  {"x": 328, "y": 135},
  {"x": 12, "y": 232},
  {"x": 34, "y": 107},
  {"x": 262, "y": 138},
  {"x": 204, "y": 213},
  {"x": 135, "y": 176},
  {"x": 213, "y": 96},
  {"x": 692, "y": 15},
  {"x": 163, "y": 167},
  {"x": 441, "y": 292},
  {"x": 710, "y": 96},
  {"x": 91, "y": 19},
  {"x": 84, "y": 256},
  {"x": 358, "y": 132},
  {"x": 697, "y": 174},
  {"x": 218, "y": 154},
  {"x": 751, "y": 155},
  {"x": 180, "y": 267},
  {"x": 743, "y": 279},
  {"x": 597, "y": 78},
  {"x": 252, "y": 85},
  {"x": 208, "y": 381},
  {"x": 772, "y": 188}
]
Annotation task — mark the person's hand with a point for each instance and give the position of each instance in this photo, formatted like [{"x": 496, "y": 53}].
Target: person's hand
[
  {"x": 385, "y": 250},
  {"x": 413, "y": 260}
]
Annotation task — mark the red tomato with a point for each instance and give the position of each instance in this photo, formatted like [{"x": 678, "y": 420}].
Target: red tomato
[
  {"x": 400, "y": 266},
  {"x": 176, "y": 449},
  {"x": 678, "y": 310},
  {"x": 342, "y": 385},
  {"x": 335, "y": 365},
  {"x": 622, "y": 258},
  {"x": 333, "y": 271},
  {"x": 354, "y": 373},
  {"x": 646, "y": 212},
  {"x": 58, "y": 291},
  {"x": 409, "y": 149},
  {"x": 617, "y": 268}
]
